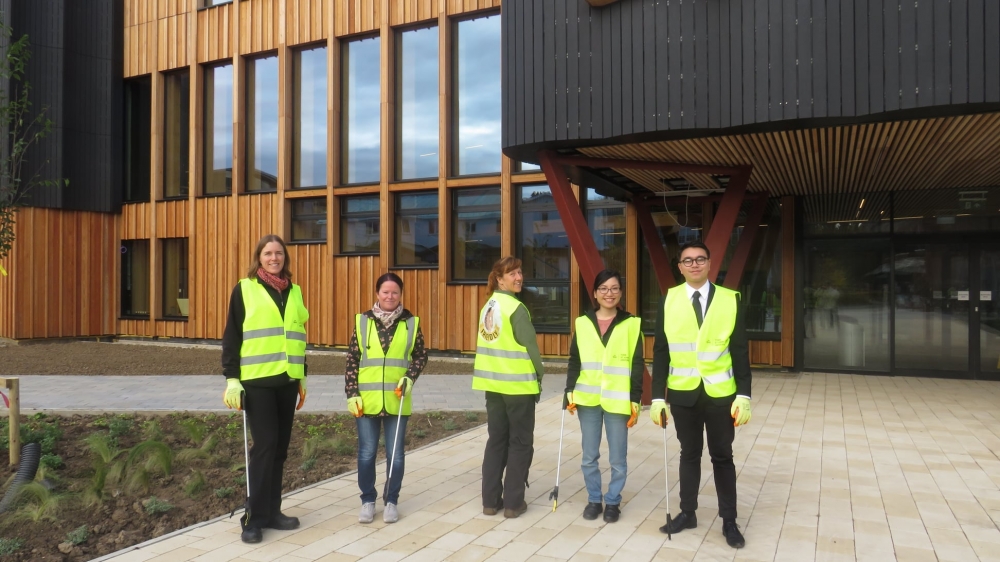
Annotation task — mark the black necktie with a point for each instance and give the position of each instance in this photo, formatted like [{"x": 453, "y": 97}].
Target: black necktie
[{"x": 696, "y": 302}]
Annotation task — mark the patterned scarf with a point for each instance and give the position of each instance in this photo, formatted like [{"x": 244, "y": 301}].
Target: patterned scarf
[
  {"x": 387, "y": 318},
  {"x": 277, "y": 283}
]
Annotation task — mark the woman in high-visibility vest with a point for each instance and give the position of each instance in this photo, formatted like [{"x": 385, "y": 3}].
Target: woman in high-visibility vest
[
  {"x": 264, "y": 360},
  {"x": 509, "y": 368},
  {"x": 385, "y": 356},
  {"x": 604, "y": 384}
]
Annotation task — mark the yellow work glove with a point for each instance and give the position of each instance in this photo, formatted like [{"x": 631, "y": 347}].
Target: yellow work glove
[
  {"x": 654, "y": 411},
  {"x": 233, "y": 396},
  {"x": 740, "y": 411},
  {"x": 354, "y": 406},
  {"x": 568, "y": 404},
  {"x": 404, "y": 386},
  {"x": 302, "y": 393},
  {"x": 635, "y": 415}
]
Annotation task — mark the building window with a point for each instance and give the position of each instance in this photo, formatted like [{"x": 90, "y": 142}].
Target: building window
[
  {"x": 528, "y": 167},
  {"x": 175, "y": 278},
  {"x": 218, "y": 126},
  {"x": 417, "y": 96},
  {"x": 262, "y": 124},
  {"x": 606, "y": 219},
  {"x": 360, "y": 107},
  {"x": 359, "y": 225},
  {"x": 309, "y": 220},
  {"x": 544, "y": 250},
  {"x": 760, "y": 285},
  {"x": 310, "y": 122},
  {"x": 476, "y": 234},
  {"x": 477, "y": 85},
  {"x": 135, "y": 278},
  {"x": 210, "y": 3},
  {"x": 676, "y": 225},
  {"x": 417, "y": 229},
  {"x": 176, "y": 125},
  {"x": 138, "y": 107}
]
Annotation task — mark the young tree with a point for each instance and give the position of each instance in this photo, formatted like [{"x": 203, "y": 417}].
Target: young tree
[{"x": 21, "y": 130}]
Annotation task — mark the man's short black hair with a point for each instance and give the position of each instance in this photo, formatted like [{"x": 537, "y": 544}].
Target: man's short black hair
[{"x": 696, "y": 244}]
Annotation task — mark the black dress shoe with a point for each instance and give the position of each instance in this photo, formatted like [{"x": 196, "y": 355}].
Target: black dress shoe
[
  {"x": 734, "y": 537},
  {"x": 592, "y": 511},
  {"x": 683, "y": 520},
  {"x": 283, "y": 522},
  {"x": 611, "y": 513},
  {"x": 252, "y": 535}
]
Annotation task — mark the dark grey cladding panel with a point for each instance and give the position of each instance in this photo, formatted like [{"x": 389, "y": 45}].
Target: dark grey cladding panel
[{"x": 677, "y": 66}]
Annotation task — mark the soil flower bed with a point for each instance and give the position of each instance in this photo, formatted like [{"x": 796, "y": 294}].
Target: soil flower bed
[{"x": 112, "y": 481}]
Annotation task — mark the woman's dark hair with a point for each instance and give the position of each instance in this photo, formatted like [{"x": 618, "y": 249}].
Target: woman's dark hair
[
  {"x": 603, "y": 277},
  {"x": 388, "y": 277},
  {"x": 502, "y": 267},
  {"x": 255, "y": 258}
]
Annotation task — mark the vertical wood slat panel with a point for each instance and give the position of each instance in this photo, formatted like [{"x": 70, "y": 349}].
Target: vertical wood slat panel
[
  {"x": 356, "y": 16},
  {"x": 402, "y": 12},
  {"x": 214, "y": 33},
  {"x": 359, "y": 274},
  {"x": 172, "y": 43},
  {"x": 172, "y": 219},
  {"x": 258, "y": 26},
  {"x": 306, "y": 21}
]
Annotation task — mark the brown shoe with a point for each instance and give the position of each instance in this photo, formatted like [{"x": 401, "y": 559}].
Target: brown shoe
[
  {"x": 493, "y": 510},
  {"x": 513, "y": 513}
]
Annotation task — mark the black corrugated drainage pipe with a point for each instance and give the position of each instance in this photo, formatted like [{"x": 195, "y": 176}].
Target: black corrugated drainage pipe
[{"x": 30, "y": 454}]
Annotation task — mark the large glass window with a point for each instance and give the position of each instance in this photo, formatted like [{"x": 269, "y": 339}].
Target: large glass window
[
  {"x": 310, "y": 122},
  {"x": 262, "y": 124},
  {"x": 417, "y": 98},
  {"x": 309, "y": 220},
  {"x": 138, "y": 107},
  {"x": 477, "y": 85},
  {"x": 176, "y": 126},
  {"x": 476, "y": 234},
  {"x": 135, "y": 278},
  {"x": 359, "y": 225},
  {"x": 218, "y": 127},
  {"x": 760, "y": 286},
  {"x": 544, "y": 250},
  {"x": 528, "y": 167},
  {"x": 360, "y": 108},
  {"x": 847, "y": 214},
  {"x": 946, "y": 210},
  {"x": 677, "y": 224},
  {"x": 175, "y": 277},
  {"x": 417, "y": 229}
]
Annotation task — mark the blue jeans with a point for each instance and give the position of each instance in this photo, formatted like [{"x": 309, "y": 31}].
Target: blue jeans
[
  {"x": 368, "y": 433},
  {"x": 591, "y": 418}
]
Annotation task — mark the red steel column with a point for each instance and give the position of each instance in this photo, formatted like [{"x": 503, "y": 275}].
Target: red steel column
[
  {"x": 725, "y": 219},
  {"x": 735, "y": 272}
]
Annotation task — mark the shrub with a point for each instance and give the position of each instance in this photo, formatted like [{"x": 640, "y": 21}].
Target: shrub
[
  {"x": 450, "y": 425},
  {"x": 151, "y": 430},
  {"x": 419, "y": 433},
  {"x": 224, "y": 492},
  {"x": 156, "y": 506},
  {"x": 195, "y": 484},
  {"x": 308, "y": 464},
  {"x": 104, "y": 453},
  {"x": 50, "y": 461},
  {"x": 195, "y": 430},
  {"x": 141, "y": 462},
  {"x": 342, "y": 446},
  {"x": 78, "y": 535},
  {"x": 37, "y": 503},
  {"x": 471, "y": 416},
  {"x": 120, "y": 425},
  {"x": 10, "y": 546}
]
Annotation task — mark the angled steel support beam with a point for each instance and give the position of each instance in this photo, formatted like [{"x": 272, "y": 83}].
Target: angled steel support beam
[
  {"x": 657, "y": 253},
  {"x": 580, "y": 239},
  {"x": 725, "y": 219},
  {"x": 738, "y": 264}
]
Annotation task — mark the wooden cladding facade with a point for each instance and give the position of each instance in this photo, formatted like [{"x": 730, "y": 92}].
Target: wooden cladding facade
[{"x": 573, "y": 72}]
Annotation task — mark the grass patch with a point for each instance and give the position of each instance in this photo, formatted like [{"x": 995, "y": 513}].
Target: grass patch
[
  {"x": 10, "y": 546},
  {"x": 224, "y": 492},
  {"x": 78, "y": 536},
  {"x": 156, "y": 506}
]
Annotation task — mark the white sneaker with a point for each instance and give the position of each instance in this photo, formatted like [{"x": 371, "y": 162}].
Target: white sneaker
[
  {"x": 390, "y": 515},
  {"x": 367, "y": 514}
]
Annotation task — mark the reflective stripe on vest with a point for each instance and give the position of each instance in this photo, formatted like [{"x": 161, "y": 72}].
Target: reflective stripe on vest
[
  {"x": 502, "y": 365},
  {"x": 700, "y": 355},
  {"x": 606, "y": 371},
  {"x": 272, "y": 345},
  {"x": 379, "y": 372}
]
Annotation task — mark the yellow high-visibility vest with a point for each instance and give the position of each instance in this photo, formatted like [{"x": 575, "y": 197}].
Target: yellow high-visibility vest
[
  {"x": 272, "y": 346},
  {"x": 380, "y": 372},
  {"x": 502, "y": 365},
  {"x": 700, "y": 355},
  {"x": 606, "y": 371}
]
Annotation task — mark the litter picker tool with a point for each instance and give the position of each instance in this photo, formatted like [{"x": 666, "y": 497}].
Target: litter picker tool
[
  {"x": 395, "y": 440},
  {"x": 554, "y": 496},
  {"x": 246, "y": 453},
  {"x": 666, "y": 479}
]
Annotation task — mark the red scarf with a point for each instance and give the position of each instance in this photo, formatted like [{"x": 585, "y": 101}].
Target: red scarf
[{"x": 277, "y": 283}]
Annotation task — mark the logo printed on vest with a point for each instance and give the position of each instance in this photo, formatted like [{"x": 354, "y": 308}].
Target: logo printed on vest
[{"x": 491, "y": 321}]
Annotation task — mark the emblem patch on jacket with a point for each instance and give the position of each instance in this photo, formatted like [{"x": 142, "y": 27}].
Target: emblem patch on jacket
[{"x": 491, "y": 321}]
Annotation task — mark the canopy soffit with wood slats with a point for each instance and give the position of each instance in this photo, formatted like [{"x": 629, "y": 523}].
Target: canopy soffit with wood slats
[{"x": 955, "y": 151}]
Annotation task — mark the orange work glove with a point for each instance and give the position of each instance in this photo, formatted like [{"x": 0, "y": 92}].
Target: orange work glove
[
  {"x": 568, "y": 404},
  {"x": 302, "y": 393},
  {"x": 404, "y": 387},
  {"x": 635, "y": 415}
]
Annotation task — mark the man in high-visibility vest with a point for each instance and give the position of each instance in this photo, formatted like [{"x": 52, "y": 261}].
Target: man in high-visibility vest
[{"x": 701, "y": 365}]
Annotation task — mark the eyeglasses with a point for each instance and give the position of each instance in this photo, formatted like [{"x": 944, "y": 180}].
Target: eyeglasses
[
  {"x": 700, "y": 260},
  {"x": 607, "y": 290}
]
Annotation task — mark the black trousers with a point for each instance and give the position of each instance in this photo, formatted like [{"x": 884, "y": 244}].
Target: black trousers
[
  {"x": 269, "y": 413},
  {"x": 716, "y": 421},
  {"x": 510, "y": 421}
]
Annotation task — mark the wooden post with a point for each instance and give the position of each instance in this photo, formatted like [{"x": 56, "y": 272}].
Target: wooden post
[{"x": 13, "y": 384}]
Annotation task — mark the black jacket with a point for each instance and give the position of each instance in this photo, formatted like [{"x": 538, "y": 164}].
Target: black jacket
[
  {"x": 573, "y": 367},
  {"x": 232, "y": 337},
  {"x": 738, "y": 349}
]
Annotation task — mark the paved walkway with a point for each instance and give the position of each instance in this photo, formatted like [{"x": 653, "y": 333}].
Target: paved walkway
[{"x": 832, "y": 467}]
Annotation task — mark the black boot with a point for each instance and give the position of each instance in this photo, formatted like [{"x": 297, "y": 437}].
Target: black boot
[
  {"x": 611, "y": 513},
  {"x": 731, "y": 531},
  {"x": 252, "y": 535},
  {"x": 283, "y": 522},
  {"x": 592, "y": 511},
  {"x": 684, "y": 520}
]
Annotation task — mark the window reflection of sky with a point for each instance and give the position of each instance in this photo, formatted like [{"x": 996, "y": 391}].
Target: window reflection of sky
[
  {"x": 361, "y": 109},
  {"x": 418, "y": 99},
  {"x": 222, "y": 113},
  {"x": 309, "y": 145},
  {"x": 477, "y": 53},
  {"x": 262, "y": 130}
]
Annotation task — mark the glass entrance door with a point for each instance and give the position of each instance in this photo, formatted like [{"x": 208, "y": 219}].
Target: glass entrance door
[
  {"x": 932, "y": 308},
  {"x": 989, "y": 311}
]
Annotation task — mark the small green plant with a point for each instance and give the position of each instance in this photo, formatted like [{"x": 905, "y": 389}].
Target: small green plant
[
  {"x": 312, "y": 447},
  {"x": 308, "y": 464},
  {"x": 78, "y": 535},
  {"x": 450, "y": 425},
  {"x": 120, "y": 425},
  {"x": 240, "y": 479},
  {"x": 151, "y": 430},
  {"x": 104, "y": 454},
  {"x": 419, "y": 433},
  {"x": 224, "y": 492},
  {"x": 436, "y": 415},
  {"x": 195, "y": 430},
  {"x": 141, "y": 462},
  {"x": 342, "y": 446},
  {"x": 50, "y": 461},
  {"x": 471, "y": 416},
  {"x": 37, "y": 503},
  {"x": 195, "y": 484},
  {"x": 10, "y": 546},
  {"x": 202, "y": 452},
  {"x": 156, "y": 506}
]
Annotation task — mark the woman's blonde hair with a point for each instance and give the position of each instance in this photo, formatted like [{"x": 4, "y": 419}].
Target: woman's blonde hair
[
  {"x": 502, "y": 267},
  {"x": 255, "y": 258}
]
